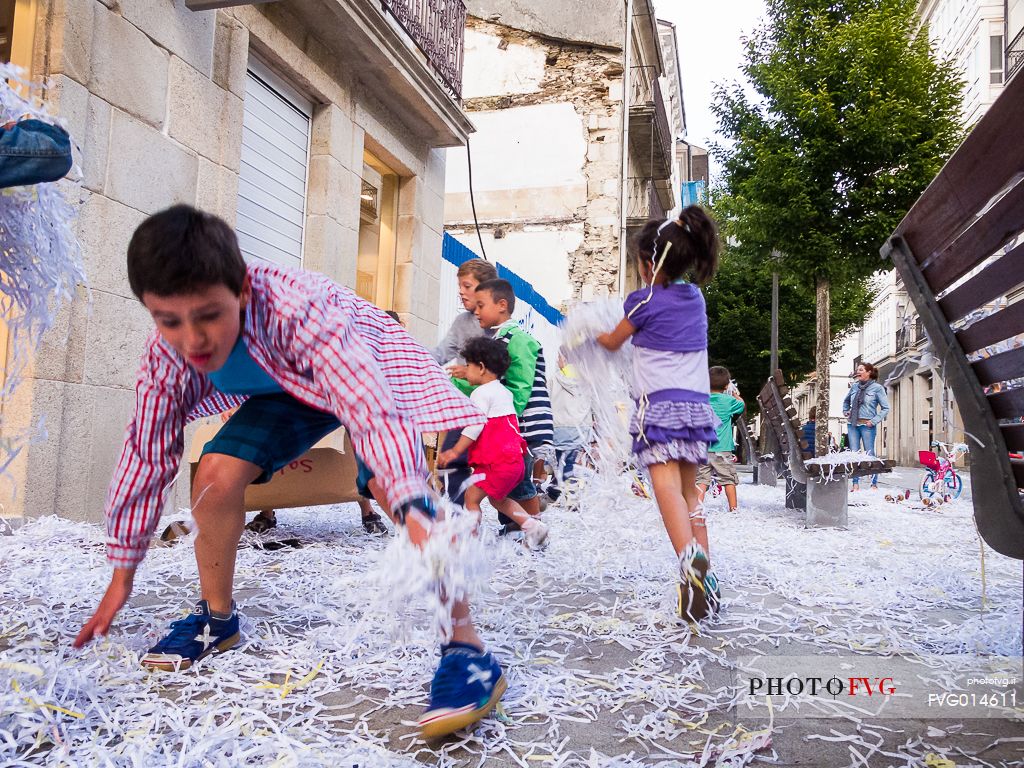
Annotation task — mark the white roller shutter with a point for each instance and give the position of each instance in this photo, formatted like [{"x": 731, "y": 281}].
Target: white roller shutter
[{"x": 273, "y": 170}]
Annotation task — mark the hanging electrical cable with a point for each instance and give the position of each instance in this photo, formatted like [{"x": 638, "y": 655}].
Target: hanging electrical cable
[{"x": 472, "y": 201}]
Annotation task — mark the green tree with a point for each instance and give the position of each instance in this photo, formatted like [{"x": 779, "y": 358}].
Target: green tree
[
  {"x": 739, "y": 303},
  {"x": 845, "y": 117}
]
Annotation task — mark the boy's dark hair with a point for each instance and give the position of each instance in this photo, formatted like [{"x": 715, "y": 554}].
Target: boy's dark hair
[
  {"x": 490, "y": 353},
  {"x": 499, "y": 290},
  {"x": 182, "y": 250},
  {"x": 481, "y": 270},
  {"x": 812, "y": 415},
  {"x": 694, "y": 245},
  {"x": 720, "y": 378}
]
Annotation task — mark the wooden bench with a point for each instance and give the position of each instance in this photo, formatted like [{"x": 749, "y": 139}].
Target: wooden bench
[
  {"x": 958, "y": 251},
  {"x": 764, "y": 465},
  {"x": 825, "y": 490}
]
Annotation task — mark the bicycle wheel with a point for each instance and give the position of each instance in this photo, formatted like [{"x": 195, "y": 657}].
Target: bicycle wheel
[
  {"x": 954, "y": 485},
  {"x": 927, "y": 488}
]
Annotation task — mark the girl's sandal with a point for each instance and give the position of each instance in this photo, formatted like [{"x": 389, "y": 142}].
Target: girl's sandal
[{"x": 261, "y": 523}]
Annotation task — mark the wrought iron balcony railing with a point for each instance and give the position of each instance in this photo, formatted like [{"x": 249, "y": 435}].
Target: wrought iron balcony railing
[
  {"x": 1015, "y": 55},
  {"x": 438, "y": 28},
  {"x": 642, "y": 202},
  {"x": 650, "y": 132}
]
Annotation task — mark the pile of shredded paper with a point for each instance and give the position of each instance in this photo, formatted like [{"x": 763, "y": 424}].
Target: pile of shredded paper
[{"x": 339, "y": 646}]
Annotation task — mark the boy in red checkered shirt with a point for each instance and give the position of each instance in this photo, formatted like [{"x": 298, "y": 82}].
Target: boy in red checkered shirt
[{"x": 300, "y": 356}]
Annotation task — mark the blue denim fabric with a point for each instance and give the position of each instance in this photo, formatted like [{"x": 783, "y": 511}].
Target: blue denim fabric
[
  {"x": 862, "y": 438},
  {"x": 32, "y": 151},
  {"x": 874, "y": 407}
]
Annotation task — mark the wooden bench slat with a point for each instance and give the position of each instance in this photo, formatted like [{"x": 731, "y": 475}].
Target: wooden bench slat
[
  {"x": 1001, "y": 367},
  {"x": 994, "y": 328},
  {"x": 986, "y": 160},
  {"x": 994, "y": 281},
  {"x": 979, "y": 242},
  {"x": 1013, "y": 434},
  {"x": 1007, "y": 405}
]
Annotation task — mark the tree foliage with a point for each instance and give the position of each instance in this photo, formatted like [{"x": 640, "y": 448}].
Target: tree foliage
[
  {"x": 739, "y": 302},
  {"x": 845, "y": 117}
]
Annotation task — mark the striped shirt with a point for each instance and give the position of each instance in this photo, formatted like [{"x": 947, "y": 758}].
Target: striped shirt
[
  {"x": 536, "y": 423},
  {"x": 326, "y": 347}
]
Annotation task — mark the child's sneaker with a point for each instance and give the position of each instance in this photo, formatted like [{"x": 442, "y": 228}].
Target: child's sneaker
[
  {"x": 535, "y": 534},
  {"x": 693, "y": 568},
  {"x": 196, "y": 636},
  {"x": 467, "y": 685},
  {"x": 712, "y": 592}
]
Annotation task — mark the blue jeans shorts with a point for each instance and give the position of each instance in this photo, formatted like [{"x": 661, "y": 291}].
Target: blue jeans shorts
[
  {"x": 271, "y": 431},
  {"x": 526, "y": 490}
]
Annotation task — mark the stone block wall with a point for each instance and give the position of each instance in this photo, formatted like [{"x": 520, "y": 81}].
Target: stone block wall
[{"x": 153, "y": 96}]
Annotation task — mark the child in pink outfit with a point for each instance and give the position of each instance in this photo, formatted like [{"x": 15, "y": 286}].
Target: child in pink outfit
[{"x": 496, "y": 448}]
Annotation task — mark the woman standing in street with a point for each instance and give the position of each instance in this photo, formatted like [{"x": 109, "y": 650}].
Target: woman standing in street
[{"x": 865, "y": 407}]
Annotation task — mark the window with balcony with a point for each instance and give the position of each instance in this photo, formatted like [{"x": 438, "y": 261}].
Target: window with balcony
[{"x": 995, "y": 59}]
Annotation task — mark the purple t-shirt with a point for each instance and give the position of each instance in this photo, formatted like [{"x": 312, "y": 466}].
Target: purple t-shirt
[{"x": 675, "y": 318}]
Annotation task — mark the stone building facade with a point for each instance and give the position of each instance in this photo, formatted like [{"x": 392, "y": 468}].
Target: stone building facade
[
  {"x": 574, "y": 146},
  {"x": 316, "y": 127}
]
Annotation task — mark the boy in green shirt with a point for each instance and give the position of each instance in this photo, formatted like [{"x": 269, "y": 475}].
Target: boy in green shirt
[
  {"x": 721, "y": 461},
  {"x": 526, "y": 379}
]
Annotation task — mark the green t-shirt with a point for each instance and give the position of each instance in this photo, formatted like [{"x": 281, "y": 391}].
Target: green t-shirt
[{"x": 725, "y": 407}]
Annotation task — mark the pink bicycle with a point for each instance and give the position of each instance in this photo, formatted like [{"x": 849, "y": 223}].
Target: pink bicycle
[{"x": 941, "y": 482}]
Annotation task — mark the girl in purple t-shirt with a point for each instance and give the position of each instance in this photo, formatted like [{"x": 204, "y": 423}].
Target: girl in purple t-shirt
[{"x": 674, "y": 423}]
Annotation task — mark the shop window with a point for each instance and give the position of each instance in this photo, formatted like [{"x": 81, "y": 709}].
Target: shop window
[{"x": 378, "y": 225}]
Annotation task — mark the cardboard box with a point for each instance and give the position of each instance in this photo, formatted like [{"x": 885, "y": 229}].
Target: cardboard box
[{"x": 325, "y": 474}]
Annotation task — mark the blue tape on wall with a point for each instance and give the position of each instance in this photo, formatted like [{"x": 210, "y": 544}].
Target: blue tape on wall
[{"x": 456, "y": 253}]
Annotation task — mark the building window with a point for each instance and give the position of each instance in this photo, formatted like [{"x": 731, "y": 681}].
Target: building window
[
  {"x": 995, "y": 64},
  {"x": 378, "y": 232},
  {"x": 17, "y": 29},
  {"x": 273, "y": 169}
]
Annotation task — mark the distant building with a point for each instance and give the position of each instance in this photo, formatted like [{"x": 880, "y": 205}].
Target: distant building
[
  {"x": 971, "y": 32},
  {"x": 577, "y": 109}
]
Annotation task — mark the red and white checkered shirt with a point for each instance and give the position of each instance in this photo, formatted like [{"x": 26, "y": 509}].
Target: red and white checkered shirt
[{"x": 323, "y": 345}]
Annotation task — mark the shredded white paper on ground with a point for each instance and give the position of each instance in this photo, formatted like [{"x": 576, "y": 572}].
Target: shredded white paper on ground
[
  {"x": 340, "y": 636},
  {"x": 335, "y": 667}
]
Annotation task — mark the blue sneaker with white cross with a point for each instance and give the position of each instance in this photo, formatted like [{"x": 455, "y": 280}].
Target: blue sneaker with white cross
[
  {"x": 467, "y": 685},
  {"x": 195, "y": 637}
]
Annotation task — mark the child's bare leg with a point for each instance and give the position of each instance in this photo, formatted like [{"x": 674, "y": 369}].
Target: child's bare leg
[
  {"x": 218, "y": 493},
  {"x": 730, "y": 496},
  {"x": 380, "y": 497},
  {"x": 463, "y": 630},
  {"x": 668, "y": 491},
  {"x": 511, "y": 508},
  {"x": 701, "y": 490},
  {"x": 472, "y": 500},
  {"x": 531, "y": 506},
  {"x": 688, "y": 481}
]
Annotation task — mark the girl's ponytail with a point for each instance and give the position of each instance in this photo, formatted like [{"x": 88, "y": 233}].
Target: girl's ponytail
[{"x": 701, "y": 234}]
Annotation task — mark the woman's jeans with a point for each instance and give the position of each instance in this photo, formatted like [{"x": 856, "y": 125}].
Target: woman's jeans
[{"x": 862, "y": 438}]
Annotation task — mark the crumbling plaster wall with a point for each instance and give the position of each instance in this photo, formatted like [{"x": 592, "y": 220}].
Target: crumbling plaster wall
[{"x": 546, "y": 158}]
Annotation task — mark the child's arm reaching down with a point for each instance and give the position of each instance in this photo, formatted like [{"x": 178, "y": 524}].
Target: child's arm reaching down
[
  {"x": 469, "y": 436},
  {"x": 614, "y": 340}
]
